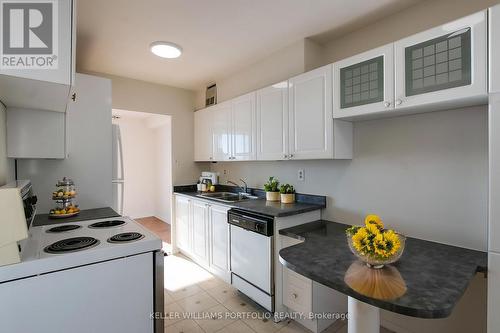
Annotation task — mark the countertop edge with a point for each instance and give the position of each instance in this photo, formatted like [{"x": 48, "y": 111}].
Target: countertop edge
[
  {"x": 284, "y": 214},
  {"x": 404, "y": 310}
]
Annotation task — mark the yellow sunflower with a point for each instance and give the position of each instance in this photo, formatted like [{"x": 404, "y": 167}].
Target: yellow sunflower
[
  {"x": 373, "y": 229},
  {"x": 380, "y": 246},
  {"x": 361, "y": 241},
  {"x": 392, "y": 242},
  {"x": 374, "y": 220}
]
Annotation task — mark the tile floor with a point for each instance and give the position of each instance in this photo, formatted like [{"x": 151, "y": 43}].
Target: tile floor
[{"x": 216, "y": 306}]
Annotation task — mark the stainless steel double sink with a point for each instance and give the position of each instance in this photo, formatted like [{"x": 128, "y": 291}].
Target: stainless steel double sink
[{"x": 227, "y": 196}]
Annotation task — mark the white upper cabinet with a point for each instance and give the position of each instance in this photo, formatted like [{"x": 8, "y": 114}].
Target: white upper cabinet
[
  {"x": 46, "y": 88},
  {"x": 272, "y": 122},
  {"x": 203, "y": 135},
  {"x": 221, "y": 131},
  {"x": 443, "y": 67},
  {"x": 243, "y": 128},
  {"x": 494, "y": 49},
  {"x": 364, "y": 84},
  {"x": 310, "y": 112}
]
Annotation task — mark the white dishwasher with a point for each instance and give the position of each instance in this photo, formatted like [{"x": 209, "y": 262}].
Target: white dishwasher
[{"x": 252, "y": 245}]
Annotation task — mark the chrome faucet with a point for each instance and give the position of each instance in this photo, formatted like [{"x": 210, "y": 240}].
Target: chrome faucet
[{"x": 244, "y": 188}]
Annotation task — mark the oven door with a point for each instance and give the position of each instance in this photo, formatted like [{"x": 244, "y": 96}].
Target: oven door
[{"x": 251, "y": 258}]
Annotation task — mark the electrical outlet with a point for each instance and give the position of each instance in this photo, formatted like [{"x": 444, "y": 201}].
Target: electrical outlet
[
  {"x": 225, "y": 172},
  {"x": 301, "y": 174}
]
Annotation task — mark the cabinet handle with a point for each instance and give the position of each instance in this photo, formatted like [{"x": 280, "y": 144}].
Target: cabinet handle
[
  {"x": 294, "y": 295},
  {"x": 399, "y": 102},
  {"x": 387, "y": 104}
]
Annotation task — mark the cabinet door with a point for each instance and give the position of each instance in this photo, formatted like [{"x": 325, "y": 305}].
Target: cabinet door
[
  {"x": 364, "y": 84},
  {"x": 243, "y": 127},
  {"x": 219, "y": 242},
  {"x": 203, "y": 147},
  {"x": 182, "y": 223},
  {"x": 494, "y": 48},
  {"x": 200, "y": 230},
  {"x": 443, "y": 66},
  {"x": 310, "y": 112},
  {"x": 272, "y": 122},
  {"x": 221, "y": 127}
]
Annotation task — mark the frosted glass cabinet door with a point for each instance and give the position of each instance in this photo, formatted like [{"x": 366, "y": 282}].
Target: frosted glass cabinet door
[
  {"x": 243, "y": 127},
  {"x": 364, "y": 84},
  {"x": 445, "y": 65}
]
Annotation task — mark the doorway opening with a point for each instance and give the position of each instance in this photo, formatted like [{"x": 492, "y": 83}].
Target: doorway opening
[{"x": 142, "y": 170}]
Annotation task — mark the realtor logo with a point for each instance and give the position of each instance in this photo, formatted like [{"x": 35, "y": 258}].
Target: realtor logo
[{"x": 28, "y": 34}]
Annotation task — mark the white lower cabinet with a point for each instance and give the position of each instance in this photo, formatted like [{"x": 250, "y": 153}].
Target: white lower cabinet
[
  {"x": 219, "y": 242},
  {"x": 305, "y": 299},
  {"x": 182, "y": 223},
  {"x": 202, "y": 233},
  {"x": 200, "y": 230}
]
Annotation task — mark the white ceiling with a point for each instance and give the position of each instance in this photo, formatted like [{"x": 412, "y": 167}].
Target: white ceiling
[{"x": 219, "y": 37}]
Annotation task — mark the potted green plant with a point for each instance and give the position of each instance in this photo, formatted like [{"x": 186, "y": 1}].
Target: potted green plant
[
  {"x": 272, "y": 189},
  {"x": 287, "y": 192}
]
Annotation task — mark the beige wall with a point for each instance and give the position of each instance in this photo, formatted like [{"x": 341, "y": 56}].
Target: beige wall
[
  {"x": 417, "y": 18},
  {"x": 135, "y": 95},
  {"x": 281, "y": 65}
]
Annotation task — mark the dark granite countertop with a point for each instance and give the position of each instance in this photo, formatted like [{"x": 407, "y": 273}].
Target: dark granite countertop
[
  {"x": 85, "y": 214},
  {"x": 305, "y": 202},
  {"x": 428, "y": 280}
]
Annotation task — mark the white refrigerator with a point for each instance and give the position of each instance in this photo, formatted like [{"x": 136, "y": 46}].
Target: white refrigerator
[
  {"x": 494, "y": 172},
  {"x": 118, "y": 178}
]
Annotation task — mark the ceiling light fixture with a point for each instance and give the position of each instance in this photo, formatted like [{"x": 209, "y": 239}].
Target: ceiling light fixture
[{"x": 166, "y": 49}]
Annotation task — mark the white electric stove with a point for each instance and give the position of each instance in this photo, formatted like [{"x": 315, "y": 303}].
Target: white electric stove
[{"x": 91, "y": 276}]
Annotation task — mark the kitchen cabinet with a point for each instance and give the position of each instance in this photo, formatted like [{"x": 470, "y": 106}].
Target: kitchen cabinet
[
  {"x": 312, "y": 132},
  {"x": 443, "y": 67},
  {"x": 364, "y": 84},
  {"x": 202, "y": 233},
  {"x": 45, "y": 89},
  {"x": 203, "y": 135},
  {"x": 199, "y": 222},
  {"x": 272, "y": 122},
  {"x": 221, "y": 131},
  {"x": 494, "y": 48},
  {"x": 219, "y": 242},
  {"x": 243, "y": 131},
  {"x": 183, "y": 223},
  {"x": 36, "y": 133}
]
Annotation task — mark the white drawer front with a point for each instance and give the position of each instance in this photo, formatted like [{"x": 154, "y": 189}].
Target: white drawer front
[{"x": 297, "y": 292}]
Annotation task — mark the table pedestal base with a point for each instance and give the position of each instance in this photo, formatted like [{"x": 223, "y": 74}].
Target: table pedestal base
[{"x": 363, "y": 318}]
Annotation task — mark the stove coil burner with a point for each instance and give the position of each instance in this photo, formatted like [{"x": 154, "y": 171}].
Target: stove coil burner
[
  {"x": 64, "y": 228},
  {"x": 125, "y": 237},
  {"x": 106, "y": 224},
  {"x": 71, "y": 245}
]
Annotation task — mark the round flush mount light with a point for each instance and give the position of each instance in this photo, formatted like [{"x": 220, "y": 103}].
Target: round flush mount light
[{"x": 166, "y": 49}]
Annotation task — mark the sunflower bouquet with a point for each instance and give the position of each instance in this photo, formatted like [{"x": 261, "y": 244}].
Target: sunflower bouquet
[{"x": 374, "y": 244}]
